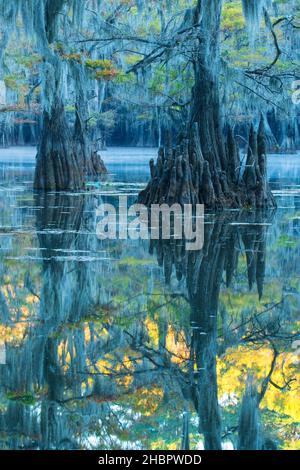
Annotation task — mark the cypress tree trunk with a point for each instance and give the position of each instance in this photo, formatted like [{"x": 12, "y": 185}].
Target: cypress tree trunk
[
  {"x": 206, "y": 102},
  {"x": 204, "y": 165},
  {"x": 57, "y": 166}
]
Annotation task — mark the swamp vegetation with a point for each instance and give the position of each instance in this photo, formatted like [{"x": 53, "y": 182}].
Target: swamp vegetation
[{"x": 142, "y": 344}]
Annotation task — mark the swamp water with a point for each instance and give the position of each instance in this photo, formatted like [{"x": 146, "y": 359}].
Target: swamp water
[{"x": 131, "y": 345}]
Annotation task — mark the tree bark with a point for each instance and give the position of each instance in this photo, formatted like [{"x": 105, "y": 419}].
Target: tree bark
[{"x": 57, "y": 166}]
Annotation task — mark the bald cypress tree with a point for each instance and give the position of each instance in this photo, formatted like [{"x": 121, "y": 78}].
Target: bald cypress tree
[
  {"x": 203, "y": 165},
  {"x": 65, "y": 154}
]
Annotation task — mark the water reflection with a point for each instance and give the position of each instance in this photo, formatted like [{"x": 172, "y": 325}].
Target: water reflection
[
  {"x": 110, "y": 346},
  {"x": 211, "y": 334}
]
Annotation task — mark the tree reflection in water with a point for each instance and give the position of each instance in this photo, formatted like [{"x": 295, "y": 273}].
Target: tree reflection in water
[{"x": 113, "y": 356}]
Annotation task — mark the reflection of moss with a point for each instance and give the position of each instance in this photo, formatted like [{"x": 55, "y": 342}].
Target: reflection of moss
[
  {"x": 233, "y": 18},
  {"x": 284, "y": 429},
  {"x": 286, "y": 241},
  {"x": 24, "y": 398},
  {"x": 131, "y": 261},
  {"x": 70, "y": 109},
  {"x": 11, "y": 81}
]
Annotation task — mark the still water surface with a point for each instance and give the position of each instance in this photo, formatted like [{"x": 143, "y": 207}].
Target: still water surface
[{"x": 122, "y": 345}]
